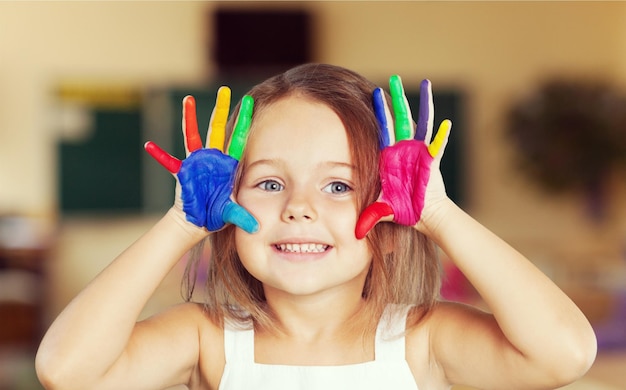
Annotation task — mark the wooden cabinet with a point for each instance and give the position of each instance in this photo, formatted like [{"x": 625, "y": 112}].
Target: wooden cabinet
[{"x": 22, "y": 285}]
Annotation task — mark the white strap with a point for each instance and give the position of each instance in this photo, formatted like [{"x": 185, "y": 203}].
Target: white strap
[
  {"x": 238, "y": 344},
  {"x": 390, "y": 340}
]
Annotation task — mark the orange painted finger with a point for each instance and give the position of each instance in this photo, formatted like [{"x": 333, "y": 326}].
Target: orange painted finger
[
  {"x": 192, "y": 138},
  {"x": 169, "y": 162}
]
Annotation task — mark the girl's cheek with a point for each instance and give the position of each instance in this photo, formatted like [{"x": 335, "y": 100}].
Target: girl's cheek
[{"x": 252, "y": 203}]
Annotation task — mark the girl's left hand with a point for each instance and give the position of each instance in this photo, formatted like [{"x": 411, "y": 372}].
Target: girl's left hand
[{"x": 409, "y": 163}]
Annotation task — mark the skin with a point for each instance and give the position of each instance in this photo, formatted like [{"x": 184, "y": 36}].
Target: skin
[
  {"x": 303, "y": 200},
  {"x": 534, "y": 337}
]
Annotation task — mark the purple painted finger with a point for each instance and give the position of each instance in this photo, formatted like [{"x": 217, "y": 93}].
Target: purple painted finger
[{"x": 425, "y": 116}]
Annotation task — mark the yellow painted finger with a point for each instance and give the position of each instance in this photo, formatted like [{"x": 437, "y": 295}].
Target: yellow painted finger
[
  {"x": 441, "y": 138},
  {"x": 219, "y": 117}
]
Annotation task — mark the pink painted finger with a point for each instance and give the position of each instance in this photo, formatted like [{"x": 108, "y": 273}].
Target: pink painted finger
[
  {"x": 193, "y": 141},
  {"x": 372, "y": 214},
  {"x": 169, "y": 162}
]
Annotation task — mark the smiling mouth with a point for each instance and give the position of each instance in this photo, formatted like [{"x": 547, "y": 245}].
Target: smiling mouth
[{"x": 302, "y": 248}]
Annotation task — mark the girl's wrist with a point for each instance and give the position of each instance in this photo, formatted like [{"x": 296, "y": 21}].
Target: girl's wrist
[
  {"x": 188, "y": 230},
  {"x": 433, "y": 220}
]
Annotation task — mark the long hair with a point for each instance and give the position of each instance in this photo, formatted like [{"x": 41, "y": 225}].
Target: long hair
[{"x": 404, "y": 267}]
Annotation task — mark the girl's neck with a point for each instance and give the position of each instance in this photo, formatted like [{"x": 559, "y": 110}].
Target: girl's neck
[
  {"x": 317, "y": 317},
  {"x": 316, "y": 334}
]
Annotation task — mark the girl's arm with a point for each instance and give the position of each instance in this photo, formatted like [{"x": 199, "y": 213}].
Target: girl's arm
[
  {"x": 535, "y": 337},
  {"x": 95, "y": 342}
]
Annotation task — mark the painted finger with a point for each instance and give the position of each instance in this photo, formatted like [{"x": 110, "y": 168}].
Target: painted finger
[
  {"x": 219, "y": 117},
  {"x": 242, "y": 128},
  {"x": 372, "y": 214},
  {"x": 441, "y": 139},
  {"x": 404, "y": 121},
  {"x": 169, "y": 162},
  {"x": 192, "y": 138},
  {"x": 424, "y": 130},
  {"x": 237, "y": 215},
  {"x": 386, "y": 134}
]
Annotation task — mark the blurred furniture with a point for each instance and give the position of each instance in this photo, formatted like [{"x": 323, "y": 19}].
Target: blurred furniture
[{"x": 22, "y": 281}]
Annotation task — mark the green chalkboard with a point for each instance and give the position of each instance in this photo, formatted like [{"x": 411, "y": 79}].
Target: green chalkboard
[{"x": 102, "y": 173}]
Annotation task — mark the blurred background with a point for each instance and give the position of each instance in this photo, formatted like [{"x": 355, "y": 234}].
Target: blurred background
[{"x": 535, "y": 90}]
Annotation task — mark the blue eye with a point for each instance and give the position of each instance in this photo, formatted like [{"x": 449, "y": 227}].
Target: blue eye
[
  {"x": 337, "y": 187},
  {"x": 271, "y": 186}
]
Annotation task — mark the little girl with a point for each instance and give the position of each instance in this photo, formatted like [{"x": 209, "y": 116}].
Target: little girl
[{"x": 323, "y": 217}]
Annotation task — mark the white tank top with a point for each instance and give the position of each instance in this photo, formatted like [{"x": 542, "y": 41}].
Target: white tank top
[{"x": 388, "y": 370}]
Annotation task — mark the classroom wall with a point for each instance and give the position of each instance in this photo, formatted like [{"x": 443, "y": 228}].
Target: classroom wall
[{"x": 491, "y": 51}]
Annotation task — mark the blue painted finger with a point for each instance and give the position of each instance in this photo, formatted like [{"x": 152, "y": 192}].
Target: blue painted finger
[
  {"x": 237, "y": 215},
  {"x": 386, "y": 135}
]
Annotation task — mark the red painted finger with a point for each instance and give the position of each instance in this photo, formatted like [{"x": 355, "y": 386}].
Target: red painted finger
[
  {"x": 169, "y": 162},
  {"x": 370, "y": 217},
  {"x": 193, "y": 141}
]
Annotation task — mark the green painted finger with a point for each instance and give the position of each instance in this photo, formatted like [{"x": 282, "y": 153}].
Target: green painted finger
[
  {"x": 242, "y": 128},
  {"x": 402, "y": 112}
]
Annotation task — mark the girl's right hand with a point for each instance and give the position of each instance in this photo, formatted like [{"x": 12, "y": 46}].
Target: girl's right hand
[{"x": 205, "y": 178}]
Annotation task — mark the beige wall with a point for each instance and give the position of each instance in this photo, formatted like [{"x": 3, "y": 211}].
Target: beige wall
[
  {"x": 492, "y": 50},
  {"x": 41, "y": 42},
  {"x": 495, "y": 51}
]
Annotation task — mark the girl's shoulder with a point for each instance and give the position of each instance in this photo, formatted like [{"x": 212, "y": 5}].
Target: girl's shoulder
[
  {"x": 188, "y": 314},
  {"x": 417, "y": 347},
  {"x": 192, "y": 318},
  {"x": 428, "y": 328}
]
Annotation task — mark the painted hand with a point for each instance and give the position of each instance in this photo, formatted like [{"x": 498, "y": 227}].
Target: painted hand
[
  {"x": 409, "y": 162},
  {"x": 205, "y": 177}
]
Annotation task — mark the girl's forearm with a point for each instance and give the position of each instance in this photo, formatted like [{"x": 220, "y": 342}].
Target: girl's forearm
[
  {"x": 532, "y": 312},
  {"x": 93, "y": 330}
]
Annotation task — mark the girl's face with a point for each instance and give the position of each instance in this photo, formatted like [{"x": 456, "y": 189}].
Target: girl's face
[{"x": 298, "y": 183}]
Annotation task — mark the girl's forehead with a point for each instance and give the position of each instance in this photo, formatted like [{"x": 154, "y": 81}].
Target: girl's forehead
[
  {"x": 297, "y": 123},
  {"x": 293, "y": 112},
  {"x": 291, "y": 101}
]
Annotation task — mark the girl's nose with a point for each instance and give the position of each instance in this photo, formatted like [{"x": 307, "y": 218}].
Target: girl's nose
[{"x": 299, "y": 208}]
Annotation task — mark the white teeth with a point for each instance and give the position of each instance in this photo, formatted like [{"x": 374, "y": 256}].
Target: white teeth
[{"x": 302, "y": 248}]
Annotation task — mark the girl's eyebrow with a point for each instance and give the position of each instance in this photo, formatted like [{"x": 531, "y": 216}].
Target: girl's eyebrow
[
  {"x": 265, "y": 161},
  {"x": 278, "y": 162},
  {"x": 339, "y": 164}
]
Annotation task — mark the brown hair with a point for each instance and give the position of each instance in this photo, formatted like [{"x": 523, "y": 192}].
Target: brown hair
[{"x": 404, "y": 267}]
